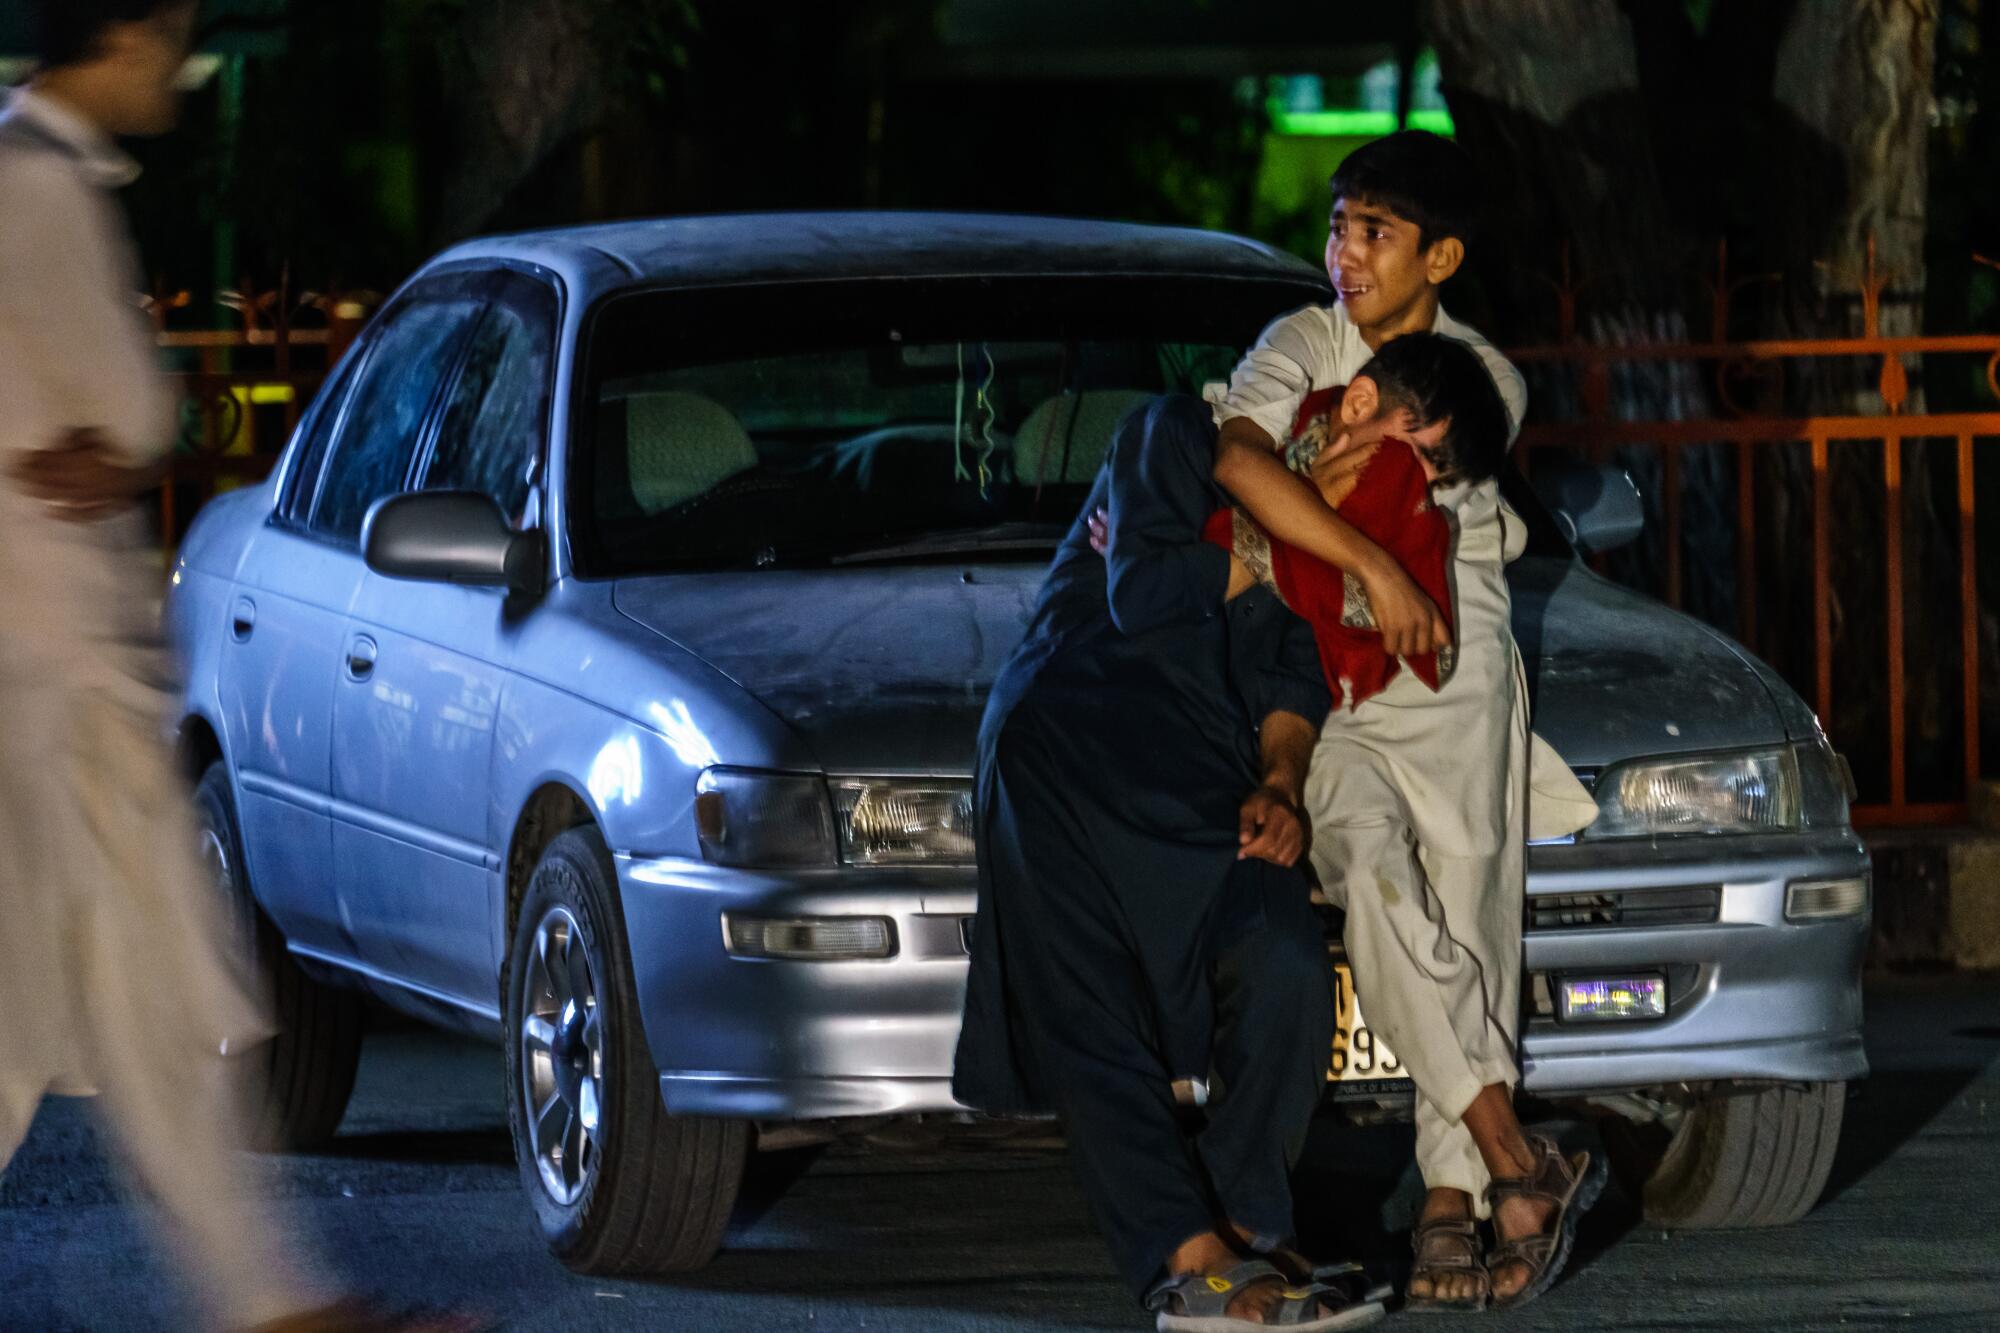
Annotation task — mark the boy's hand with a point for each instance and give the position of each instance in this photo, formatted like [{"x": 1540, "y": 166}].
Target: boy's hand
[
  {"x": 1409, "y": 620},
  {"x": 1269, "y": 828}
]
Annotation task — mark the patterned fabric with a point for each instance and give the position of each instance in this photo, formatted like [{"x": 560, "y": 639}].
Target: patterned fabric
[
  {"x": 1064, "y": 439},
  {"x": 679, "y": 445}
]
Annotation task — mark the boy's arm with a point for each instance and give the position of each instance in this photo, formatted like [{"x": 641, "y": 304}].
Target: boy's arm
[{"x": 1292, "y": 511}]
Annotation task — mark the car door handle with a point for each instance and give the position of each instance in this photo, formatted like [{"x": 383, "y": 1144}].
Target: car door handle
[
  {"x": 242, "y": 619},
  {"x": 360, "y": 657}
]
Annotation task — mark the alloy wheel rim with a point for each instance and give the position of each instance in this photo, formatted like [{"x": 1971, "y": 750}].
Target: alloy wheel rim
[{"x": 562, "y": 1056}]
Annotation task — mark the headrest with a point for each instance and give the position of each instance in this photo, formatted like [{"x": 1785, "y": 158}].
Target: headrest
[
  {"x": 679, "y": 445},
  {"x": 1066, "y": 437}
]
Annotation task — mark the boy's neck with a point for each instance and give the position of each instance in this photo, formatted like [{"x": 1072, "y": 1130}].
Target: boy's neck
[{"x": 1419, "y": 316}]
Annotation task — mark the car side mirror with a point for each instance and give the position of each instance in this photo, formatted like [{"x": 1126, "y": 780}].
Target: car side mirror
[
  {"x": 451, "y": 537},
  {"x": 1598, "y": 508}
]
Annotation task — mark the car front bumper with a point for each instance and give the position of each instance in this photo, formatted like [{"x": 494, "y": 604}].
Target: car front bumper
[{"x": 1760, "y": 998}]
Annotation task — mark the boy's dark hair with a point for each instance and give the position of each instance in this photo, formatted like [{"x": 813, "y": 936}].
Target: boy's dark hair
[
  {"x": 66, "y": 32},
  {"x": 1435, "y": 377},
  {"x": 1416, "y": 175}
]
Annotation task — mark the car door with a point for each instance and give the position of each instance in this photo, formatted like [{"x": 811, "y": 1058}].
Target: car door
[
  {"x": 413, "y": 732},
  {"x": 288, "y": 619}
]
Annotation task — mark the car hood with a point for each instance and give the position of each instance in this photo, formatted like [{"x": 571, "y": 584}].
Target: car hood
[
  {"x": 880, "y": 669},
  {"x": 1613, "y": 674},
  {"x": 886, "y": 669}
]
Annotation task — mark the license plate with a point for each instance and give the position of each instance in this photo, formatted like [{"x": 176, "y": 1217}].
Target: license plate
[{"x": 1359, "y": 1055}]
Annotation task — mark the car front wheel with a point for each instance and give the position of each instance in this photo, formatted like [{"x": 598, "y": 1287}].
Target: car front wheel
[
  {"x": 617, "y": 1185},
  {"x": 1748, "y": 1158}
]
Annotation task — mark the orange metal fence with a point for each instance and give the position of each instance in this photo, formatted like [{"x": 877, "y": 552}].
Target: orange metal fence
[{"x": 1597, "y": 434}]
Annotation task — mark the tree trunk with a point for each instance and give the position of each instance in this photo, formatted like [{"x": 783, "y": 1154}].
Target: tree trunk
[{"x": 1637, "y": 138}]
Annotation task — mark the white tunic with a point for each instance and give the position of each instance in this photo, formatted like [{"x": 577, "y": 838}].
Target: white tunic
[
  {"x": 1420, "y": 739},
  {"x": 110, "y": 924}
]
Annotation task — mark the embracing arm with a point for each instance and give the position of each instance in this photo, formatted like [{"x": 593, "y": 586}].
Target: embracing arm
[{"x": 1248, "y": 467}]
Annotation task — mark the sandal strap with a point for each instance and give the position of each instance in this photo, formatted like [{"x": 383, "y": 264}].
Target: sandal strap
[
  {"x": 1208, "y": 1294},
  {"x": 1459, "y": 1237},
  {"x": 1554, "y": 1180}
]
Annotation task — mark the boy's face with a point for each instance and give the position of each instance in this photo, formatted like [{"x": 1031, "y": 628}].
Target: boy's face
[
  {"x": 141, "y": 61},
  {"x": 1365, "y": 417},
  {"x": 1380, "y": 272}
]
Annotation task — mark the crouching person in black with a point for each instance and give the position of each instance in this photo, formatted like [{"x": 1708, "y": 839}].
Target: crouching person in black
[{"x": 1144, "y": 942}]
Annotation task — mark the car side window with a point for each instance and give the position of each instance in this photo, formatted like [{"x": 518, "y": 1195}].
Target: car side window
[
  {"x": 378, "y": 437},
  {"x": 493, "y": 426},
  {"x": 311, "y": 451}
]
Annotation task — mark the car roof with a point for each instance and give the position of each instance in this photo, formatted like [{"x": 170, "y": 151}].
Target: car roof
[{"x": 778, "y": 247}]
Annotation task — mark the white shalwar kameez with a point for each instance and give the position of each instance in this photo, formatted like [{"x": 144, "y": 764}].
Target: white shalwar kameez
[
  {"x": 117, "y": 975},
  {"x": 1422, "y": 802}
]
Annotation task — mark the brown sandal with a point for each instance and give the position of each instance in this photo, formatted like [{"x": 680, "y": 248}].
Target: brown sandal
[
  {"x": 1448, "y": 1247},
  {"x": 1572, "y": 1184}
]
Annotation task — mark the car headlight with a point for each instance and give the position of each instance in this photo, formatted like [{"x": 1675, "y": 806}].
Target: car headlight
[
  {"x": 748, "y": 818},
  {"x": 775, "y": 820},
  {"x": 885, "y": 821},
  {"x": 1755, "y": 791}
]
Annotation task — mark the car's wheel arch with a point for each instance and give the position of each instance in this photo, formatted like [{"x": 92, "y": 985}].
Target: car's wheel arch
[
  {"x": 197, "y": 744},
  {"x": 551, "y": 809}
]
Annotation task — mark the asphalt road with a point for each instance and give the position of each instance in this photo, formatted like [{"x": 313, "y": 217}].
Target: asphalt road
[{"x": 419, "y": 1201}]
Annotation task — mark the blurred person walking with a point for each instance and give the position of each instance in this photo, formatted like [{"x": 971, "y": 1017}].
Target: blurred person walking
[{"x": 117, "y": 972}]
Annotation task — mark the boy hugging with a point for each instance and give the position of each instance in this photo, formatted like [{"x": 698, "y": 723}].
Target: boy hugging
[{"x": 1419, "y": 790}]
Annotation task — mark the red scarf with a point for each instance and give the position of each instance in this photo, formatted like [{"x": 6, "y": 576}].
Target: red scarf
[{"x": 1391, "y": 506}]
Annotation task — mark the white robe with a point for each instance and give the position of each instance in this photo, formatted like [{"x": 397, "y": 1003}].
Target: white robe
[{"x": 114, "y": 946}]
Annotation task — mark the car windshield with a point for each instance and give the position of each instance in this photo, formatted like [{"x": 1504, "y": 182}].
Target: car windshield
[{"x": 892, "y": 420}]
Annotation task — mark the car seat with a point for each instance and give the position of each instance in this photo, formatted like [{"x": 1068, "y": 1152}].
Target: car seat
[
  {"x": 1065, "y": 438},
  {"x": 678, "y": 445}
]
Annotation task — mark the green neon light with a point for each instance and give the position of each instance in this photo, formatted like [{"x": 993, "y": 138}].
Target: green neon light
[{"x": 1355, "y": 124}]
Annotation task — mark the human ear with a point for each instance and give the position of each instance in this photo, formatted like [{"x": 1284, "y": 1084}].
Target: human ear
[
  {"x": 1361, "y": 401},
  {"x": 1442, "y": 259}
]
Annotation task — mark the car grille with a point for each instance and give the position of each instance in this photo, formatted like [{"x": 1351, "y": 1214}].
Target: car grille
[{"x": 1697, "y": 906}]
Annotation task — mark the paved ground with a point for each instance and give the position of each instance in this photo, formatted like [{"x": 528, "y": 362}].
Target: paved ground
[{"x": 419, "y": 1200}]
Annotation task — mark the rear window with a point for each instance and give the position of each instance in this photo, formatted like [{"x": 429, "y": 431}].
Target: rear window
[{"x": 780, "y": 426}]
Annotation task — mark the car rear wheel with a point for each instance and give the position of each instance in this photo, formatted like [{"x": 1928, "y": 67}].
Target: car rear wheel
[
  {"x": 294, "y": 1087},
  {"x": 617, "y": 1185},
  {"x": 1757, "y": 1158}
]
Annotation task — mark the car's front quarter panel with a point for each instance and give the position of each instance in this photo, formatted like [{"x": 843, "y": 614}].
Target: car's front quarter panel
[{"x": 626, "y": 721}]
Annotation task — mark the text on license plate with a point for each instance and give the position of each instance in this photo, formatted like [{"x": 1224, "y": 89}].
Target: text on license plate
[{"x": 1359, "y": 1055}]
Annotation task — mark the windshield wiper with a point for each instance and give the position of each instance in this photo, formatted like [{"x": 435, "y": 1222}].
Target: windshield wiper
[{"x": 986, "y": 541}]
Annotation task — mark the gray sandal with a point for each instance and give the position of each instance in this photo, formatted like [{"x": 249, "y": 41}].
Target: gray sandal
[
  {"x": 1448, "y": 1247},
  {"x": 1572, "y": 1184},
  {"x": 1199, "y": 1303}
]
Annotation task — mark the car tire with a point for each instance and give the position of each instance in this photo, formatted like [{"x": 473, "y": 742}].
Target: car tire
[
  {"x": 294, "y": 1087},
  {"x": 1745, "y": 1159},
  {"x": 617, "y": 1185}
]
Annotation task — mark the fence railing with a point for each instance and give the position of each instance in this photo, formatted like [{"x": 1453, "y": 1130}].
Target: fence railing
[
  {"x": 242, "y": 389},
  {"x": 1598, "y": 434}
]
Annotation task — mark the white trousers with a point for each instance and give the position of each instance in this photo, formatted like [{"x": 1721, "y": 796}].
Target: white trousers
[
  {"x": 116, "y": 979},
  {"x": 1435, "y": 944}
]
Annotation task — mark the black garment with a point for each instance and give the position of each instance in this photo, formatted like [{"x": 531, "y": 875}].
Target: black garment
[{"x": 1117, "y": 747}]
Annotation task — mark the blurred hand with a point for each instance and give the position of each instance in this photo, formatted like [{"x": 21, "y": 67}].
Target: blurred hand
[
  {"x": 81, "y": 478},
  {"x": 1409, "y": 620},
  {"x": 1100, "y": 530},
  {"x": 1269, "y": 828}
]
